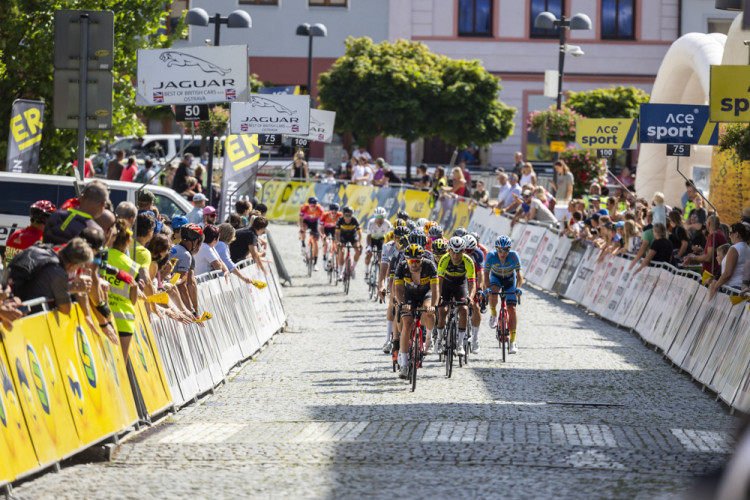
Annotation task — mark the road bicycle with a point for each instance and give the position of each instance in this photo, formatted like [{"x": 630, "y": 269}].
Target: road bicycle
[
  {"x": 347, "y": 268},
  {"x": 415, "y": 355},
  {"x": 331, "y": 262},
  {"x": 502, "y": 331},
  {"x": 373, "y": 275},
  {"x": 307, "y": 252},
  {"x": 450, "y": 335}
]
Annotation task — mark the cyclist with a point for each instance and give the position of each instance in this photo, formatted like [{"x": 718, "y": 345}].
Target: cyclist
[
  {"x": 460, "y": 232},
  {"x": 22, "y": 239},
  {"x": 415, "y": 285},
  {"x": 348, "y": 231},
  {"x": 457, "y": 282},
  {"x": 390, "y": 250},
  {"x": 402, "y": 215},
  {"x": 377, "y": 228},
  {"x": 481, "y": 247},
  {"x": 421, "y": 222},
  {"x": 309, "y": 216},
  {"x": 439, "y": 248},
  {"x": 502, "y": 269},
  {"x": 434, "y": 233},
  {"x": 329, "y": 220},
  {"x": 477, "y": 256}
]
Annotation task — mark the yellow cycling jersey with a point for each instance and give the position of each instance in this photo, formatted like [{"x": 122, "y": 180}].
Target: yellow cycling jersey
[{"x": 465, "y": 268}]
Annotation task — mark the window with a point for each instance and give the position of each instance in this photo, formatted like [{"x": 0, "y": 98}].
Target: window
[
  {"x": 259, "y": 2},
  {"x": 537, "y": 7},
  {"x": 618, "y": 21},
  {"x": 167, "y": 207},
  {"x": 718, "y": 25},
  {"x": 327, "y": 3},
  {"x": 475, "y": 17}
]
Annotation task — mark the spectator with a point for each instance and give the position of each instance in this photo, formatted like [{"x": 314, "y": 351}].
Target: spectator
[
  {"x": 184, "y": 170},
  {"x": 166, "y": 178},
  {"x": 715, "y": 240},
  {"x": 574, "y": 227},
  {"x": 736, "y": 259},
  {"x": 195, "y": 216},
  {"x": 299, "y": 166},
  {"x": 678, "y": 236},
  {"x": 480, "y": 195},
  {"x": 9, "y": 312},
  {"x": 439, "y": 182},
  {"x": 107, "y": 222},
  {"x": 47, "y": 273},
  {"x": 613, "y": 209},
  {"x": 128, "y": 173},
  {"x": 528, "y": 176},
  {"x": 88, "y": 168},
  {"x": 661, "y": 248},
  {"x": 630, "y": 239},
  {"x": 116, "y": 166},
  {"x": 226, "y": 237},
  {"x": 191, "y": 237},
  {"x": 127, "y": 211},
  {"x": 22, "y": 239},
  {"x": 145, "y": 225},
  {"x": 330, "y": 177},
  {"x": 660, "y": 212},
  {"x": 209, "y": 216},
  {"x": 533, "y": 209},
  {"x": 348, "y": 171},
  {"x": 368, "y": 170},
  {"x": 465, "y": 171},
  {"x": 246, "y": 242},
  {"x": 242, "y": 209},
  {"x": 468, "y": 156},
  {"x": 541, "y": 194},
  {"x": 123, "y": 288},
  {"x": 262, "y": 209},
  {"x": 687, "y": 198},
  {"x": 359, "y": 175},
  {"x": 63, "y": 225},
  {"x": 379, "y": 179},
  {"x": 146, "y": 201},
  {"x": 458, "y": 185},
  {"x": 746, "y": 215},
  {"x": 235, "y": 221},
  {"x": 625, "y": 177},
  {"x": 595, "y": 205},
  {"x": 146, "y": 174},
  {"x": 393, "y": 178},
  {"x": 359, "y": 152},
  {"x": 565, "y": 182},
  {"x": 424, "y": 180},
  {"x": 207, "y": 260},
  {"x": 512, "y": 197},
  {"x": 518, "y": 164}
]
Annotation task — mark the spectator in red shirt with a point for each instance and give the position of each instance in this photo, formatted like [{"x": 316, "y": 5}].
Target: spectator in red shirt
[
  {"x": 715, "y": 239},
  {"x": 24, "y": 238},
  {"x": 128, "y": 173},
  {"x": 88, "y": 167}
]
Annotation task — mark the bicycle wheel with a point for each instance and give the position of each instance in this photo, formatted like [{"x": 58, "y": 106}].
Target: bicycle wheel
[
  {"x": 414, "y": 361},
  {"x": 347, "y": 275},
  {"x": 309, "y": 260},
  {"x": 502, "y": 325},
  {"x": 450, "y": 347}
]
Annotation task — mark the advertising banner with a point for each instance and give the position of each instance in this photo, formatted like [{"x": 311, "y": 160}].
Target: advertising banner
[
  {"x": 271, "y": 114},
  {"x": 321, "y": 126},
  {"x": 730, "y": 338},
  {"x": 25, "y": 137},
  {"x": 729, "y": 99},
  {"x": 192, "y": 75},
  {"x": 677, "y": 124},
  {"x": 542, "y": 258},
  {"x": 556, "y": 263},
  {"x": 147, "y": 365},
  {"x": 417, "y": 203},
  {"x": 241, "y": 155},
  {"x": 607, "y": 133}
]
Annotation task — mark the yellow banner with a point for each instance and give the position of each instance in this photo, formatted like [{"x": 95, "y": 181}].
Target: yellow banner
[
  {"x": 362, "y": 199},
  {"x": 729, "y": 97},
  {"x": 417, "y": 203},
  {"x": 728, "y": 189},
  {"x": 35, "y": 371},
  {"x": 16, "y": 450},
  {"x": 607, "y": 133},
  {"x": 242, "y": 151},
  {"x": 147, "y": 365},
  {"x": 290, "y": 198}
]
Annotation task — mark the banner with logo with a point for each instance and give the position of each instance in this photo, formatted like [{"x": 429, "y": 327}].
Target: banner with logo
[
  {"x": 241, "y": 156},
  {"x": 417, "y": 203},
  {"x": 147, "y": 366},
  {"x": 192, "y": 75},
  {"x": 288, "y": 90},
  {"x": 321, "y": 126},
  {"x": 25, "y": 137},
  {"x": 271, "y": 114}
]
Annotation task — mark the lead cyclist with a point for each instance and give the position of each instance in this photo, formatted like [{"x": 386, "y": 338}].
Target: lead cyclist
[
  {"x": 502, "y": 270},
  {"x": 377, "y": 228}
]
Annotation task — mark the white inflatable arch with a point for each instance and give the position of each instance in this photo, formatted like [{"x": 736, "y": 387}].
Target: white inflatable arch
[{"x": 683, "y": 78}]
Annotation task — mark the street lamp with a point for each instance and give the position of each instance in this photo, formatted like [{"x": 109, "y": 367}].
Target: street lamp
[
  {"x": 307, "y": 30},
  {"x": 237, "y": 19},
  {"x": 548, "y": 21}
]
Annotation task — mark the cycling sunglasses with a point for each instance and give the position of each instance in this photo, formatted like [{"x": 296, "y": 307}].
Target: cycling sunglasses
[
  {"x": 503, "y": 250},
  {"x": 414, "y": 261}
]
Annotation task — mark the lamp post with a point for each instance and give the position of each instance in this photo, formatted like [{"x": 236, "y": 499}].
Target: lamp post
[
  {"x": 548, "y": 21},
  {"x": 237, "y": 19},
  {"x": 310, "y": 31}
]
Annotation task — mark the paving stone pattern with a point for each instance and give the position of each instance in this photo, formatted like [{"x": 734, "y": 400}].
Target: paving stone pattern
[{"x": 320, "y": 414}]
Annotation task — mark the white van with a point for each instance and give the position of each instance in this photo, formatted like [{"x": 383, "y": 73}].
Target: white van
[{"x": 19, "y": 191}]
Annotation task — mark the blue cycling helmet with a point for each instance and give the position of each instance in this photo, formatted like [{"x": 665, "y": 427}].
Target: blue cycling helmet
[
  {"x": 417, "y": 237},
  {"x": 503, "y": 242},
  {"x": 178, "y": 221}
]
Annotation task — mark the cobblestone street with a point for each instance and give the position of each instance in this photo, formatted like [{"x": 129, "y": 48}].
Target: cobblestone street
[{"x": 320, "y": 414}]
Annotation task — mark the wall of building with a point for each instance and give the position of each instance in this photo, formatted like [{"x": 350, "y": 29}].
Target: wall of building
[{"x": 698, "y": 14}]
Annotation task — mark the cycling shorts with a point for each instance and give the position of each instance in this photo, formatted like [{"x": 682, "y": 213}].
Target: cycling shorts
[
  {"x": 312, "y": 225},
  {"x": 455, "y": 290},
  {"x": 329, "y": 231},
  {"x": 352, "y": 238},
  {"x": 416, "y": 300},
  {"x": 506, "y": 284},
  {"x": 377, "y": 244}
]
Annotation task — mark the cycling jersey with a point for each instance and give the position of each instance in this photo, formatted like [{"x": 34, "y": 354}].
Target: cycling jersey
[
  {"x": 416, "y": 291},
  {"x": 378, "y": 231},
  {"x": 311, "y": 212},
  {"x": 329, "y": 219},
  {"x": 502, "y": 269},
  {"x": 399, "y": 258},
  {"x": 478, "y": 258},
  {"x": 464, "y": 270},
  {"x": 21, "y": 240},
  {"x": 389, "y": 251},
  {"x": 347, "y": 227}
]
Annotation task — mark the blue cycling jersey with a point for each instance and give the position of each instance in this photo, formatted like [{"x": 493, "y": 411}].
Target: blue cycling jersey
[
  {"x": 478, "y": 257},
  {"x": 502, "y": 269}
]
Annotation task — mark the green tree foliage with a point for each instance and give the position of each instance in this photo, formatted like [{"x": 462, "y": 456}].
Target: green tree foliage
[
  {"x": 27, "y": 52},
  {"x": 614, "y": 102},
  {"x": 403, "y": 90}
]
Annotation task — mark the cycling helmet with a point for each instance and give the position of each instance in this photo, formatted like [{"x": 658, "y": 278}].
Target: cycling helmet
[
  {"x": 334, "y": 207},
  {"x": 41, "y": 209},
  {"x": 403, "y": 242},
  {"x": 422, "y": 221},
  {"x": 400, "y": 231},
  {"x": 411, "y": 225},
  {"x": 456, "y": 244},
  {"x": 471, "y": 242},
  {"x": 70, "y": 203},
  {"x": 436, "y": 231},
  {"x": 400, "y": 223},
  {"x": 379, "y": 212},
  {"x": 475, "y": 235},
  {"x": 439, "y": 247},
  {"x": 414, "y": 251},
  {"x": 418, "y": 237},
  {"x": 312, "y": 200},
  {"x": 347, "y": 210},
  {"x": 428, "y": 225},
  {"x": 503, "y": 242},
  {"x": 178, "y": 221},
  {"x": 460, "y": 232},
  {"x": 403, "y": 215},
  {"x": 191, "y": 232}
]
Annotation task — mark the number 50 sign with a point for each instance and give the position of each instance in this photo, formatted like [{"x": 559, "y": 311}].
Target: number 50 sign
[{"x": 191, "y": 112}]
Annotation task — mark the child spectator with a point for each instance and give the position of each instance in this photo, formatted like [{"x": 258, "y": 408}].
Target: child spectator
[{"x": 660, "y": 213}]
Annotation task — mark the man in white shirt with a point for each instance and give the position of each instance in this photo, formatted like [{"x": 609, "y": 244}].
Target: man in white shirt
[
  {"x": 509, "y": 199},
  {"x": 361, "y": 151}
]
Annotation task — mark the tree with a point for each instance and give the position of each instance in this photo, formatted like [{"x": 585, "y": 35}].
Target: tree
[
  {"x": 26, "y": 52},
  {"x": 403, "y": 90},
  {"x": 614, "y": 102}
]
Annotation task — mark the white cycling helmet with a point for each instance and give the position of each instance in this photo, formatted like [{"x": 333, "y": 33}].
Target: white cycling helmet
[
  {"x": 379, "y": 212},
  {"x": 471, "y": 242},
  {"x": 421, "y": 222},
  {"x": 456, "y": 244}
]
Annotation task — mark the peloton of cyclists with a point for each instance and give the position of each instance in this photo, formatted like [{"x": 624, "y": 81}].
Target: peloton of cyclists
[
  {"x": 309, "y": 216},
  {"x": 502, "y": 270}
]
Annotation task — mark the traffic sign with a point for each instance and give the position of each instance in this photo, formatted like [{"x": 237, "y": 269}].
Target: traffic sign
[
  {"x": 269, "y": 139},
  {"x": 678, "y": 150},
  {"x": 557, "y": 146},
  {"x": 729, "y": 97},
  {"x": 677, "y": 124},
  {"x": 612, "y": 133},
  {"x": 191, "y": 112}
]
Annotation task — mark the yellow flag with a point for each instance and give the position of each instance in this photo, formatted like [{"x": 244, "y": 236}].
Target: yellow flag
[
  {"x": 175, "y": 278},
  {"x": 159, "y": 298},
  {"x": 260, "y": 285},
  {"x": 706, "y": 276},
  {"x": 736, "y": 299}
]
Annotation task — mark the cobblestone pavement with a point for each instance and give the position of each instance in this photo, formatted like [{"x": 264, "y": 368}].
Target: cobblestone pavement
[{"x": 320, "y": 414}]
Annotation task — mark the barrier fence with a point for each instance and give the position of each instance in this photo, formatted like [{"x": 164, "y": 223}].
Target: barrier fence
[
  {"x": 66, "y": 387},
  {"x": 667, "y": 307}
]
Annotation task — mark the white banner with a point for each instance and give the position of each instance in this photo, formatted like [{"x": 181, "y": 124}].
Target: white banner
[
  {"x": 542, "y": 258},
  {"x": 321, "y": 126},
  {"x": 192, "y": 75},
  {"x": 271, "y": 114}
]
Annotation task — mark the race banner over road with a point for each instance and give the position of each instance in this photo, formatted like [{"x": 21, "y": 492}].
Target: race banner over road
[
  {"x": 241, "y": 155},
  {"x": 271, "y": 114},
  {"x": 25, "y": 138},
  {"x": 321, "y": 126},
  {"x": 192, "y": 75}
]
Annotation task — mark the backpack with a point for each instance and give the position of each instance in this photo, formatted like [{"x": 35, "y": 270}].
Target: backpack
[
  {"x": 28, "y": 263},
  {"x": 140, "y": 177}
]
